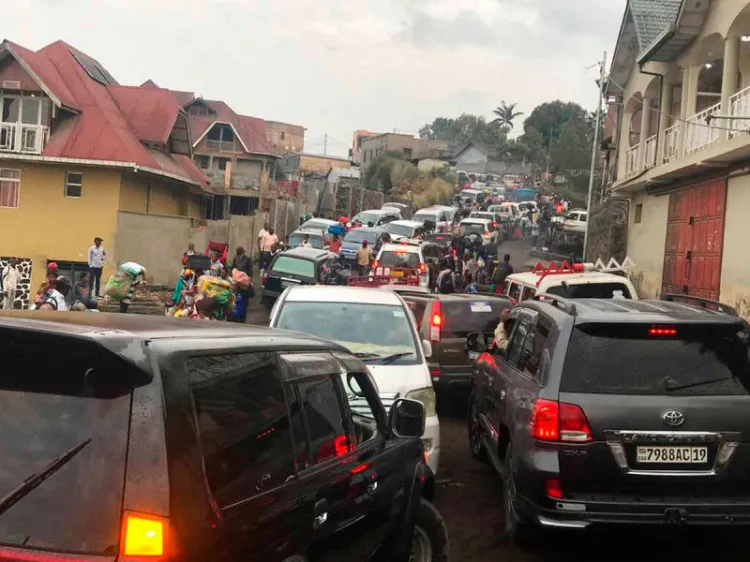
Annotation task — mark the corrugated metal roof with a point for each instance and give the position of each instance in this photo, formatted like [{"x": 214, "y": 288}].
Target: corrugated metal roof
[
  {"x": 652, "y": 18},
  {"x": 151, "y": 112}
]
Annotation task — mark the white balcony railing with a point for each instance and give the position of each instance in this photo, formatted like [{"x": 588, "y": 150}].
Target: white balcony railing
[
  {"x": 650, "y": 161},
  {"x": 700, "y": 131},
  {"x": 23, "y": 138},
  {"x": 739, "y": 106},
  {"x": 672, "y": 138},
  {"x": 632, "y": 160}
]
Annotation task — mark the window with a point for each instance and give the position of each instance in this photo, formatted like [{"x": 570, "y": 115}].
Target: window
[
  {"x": 638, "y": 213},
  {"x": 292, "y": 266},
  {"x": 323, "y": 417},
  {"x": 10, "y": 188},
  {"x": 204, "y": 162},
  {"x": 283, "y": 135},
  {"x": 243, "y": 424},
  {"x": 514, "y": 291},
  {"x": 517, "y": 339},
  {"x": 73, "y": 184},
  {"x": 221, "y": 133},
  {"x": 532, "y": 350},
  {"x": 221, "y": 163},
  {"x": 528, "y": 293}
]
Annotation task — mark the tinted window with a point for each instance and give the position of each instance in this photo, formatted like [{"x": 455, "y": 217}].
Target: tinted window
[
  {"x": 357, "y": 235},
  {"x": 532, "y": 348},
  {"x": 243, "y": 424},
  {"x": 295, "y": 239},
  {"x": 626, "y": 359},
  {"x": 325, "y": 423},
  {"x": 461, "y": 317},
  {"x": 591, "y": 291},
  {"x": 59, "y": 394},
  {"x": 421, "y": 217},
  {"x": 400, "y": 229},
  {"x": 514, "y": 291},
  {"x": 474, "y": 228},
  {"x": 430, "y": 251},
  {"x": 442, "y": 239},
  {"x": 366, "y": 218},
  {"x": 517, "y": 339},
  {"x": 394, "y": 258},
  {"x": 528, "y": 292},
  {"x": 294, "y": 266}
]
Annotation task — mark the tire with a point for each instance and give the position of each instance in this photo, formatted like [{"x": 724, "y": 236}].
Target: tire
[
  {"x": 475, "y": 431},
  {"x": 430, "y": 540},
  {"x": 516, "y": 527}
]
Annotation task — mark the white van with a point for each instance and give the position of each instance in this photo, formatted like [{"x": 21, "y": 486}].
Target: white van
[{"x": 378, "y": 327}]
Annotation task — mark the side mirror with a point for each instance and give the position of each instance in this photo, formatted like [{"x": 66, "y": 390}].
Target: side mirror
[
  {"x": 427, "y": 349},
  {"x": 407, "y": 418}
]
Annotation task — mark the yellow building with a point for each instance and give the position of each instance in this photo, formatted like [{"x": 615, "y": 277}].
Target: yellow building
[{"x": 75, "y": 150}]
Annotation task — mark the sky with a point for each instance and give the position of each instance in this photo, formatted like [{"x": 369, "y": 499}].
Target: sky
[{"x": 334, "y": 66}]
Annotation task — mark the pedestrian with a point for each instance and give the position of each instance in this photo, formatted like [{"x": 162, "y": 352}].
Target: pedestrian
[
  {"x": 81, "y": 292},
  {"x": 216, "y": 268},
  {"x": 189, "y": 252},
  {"x": 305, "y": 242},
  {"x": 243, "y": 262},
  {"x": 261, "y": 234},
  {"x": 11, "y": 278},
  {"x": 269, "y": 240},
  {"x": 468, "y": 284},
  {"x": 335, "y": 245},
  {"x": 97, "y": 257},
  {"x": 48, "y": 285},
  {"x": 364, "y": 255},
  {"x": 534, "y": 234},
  {"x": 444, "y": 282},
  {"x": 56, "y": 297},
  {"x": 136, "y": 279},
  {"x": 502, "y": 271},
  {"x": 470, "y": 264}
]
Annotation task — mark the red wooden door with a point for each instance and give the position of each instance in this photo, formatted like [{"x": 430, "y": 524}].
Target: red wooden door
[{"x": 695, "y": 235}]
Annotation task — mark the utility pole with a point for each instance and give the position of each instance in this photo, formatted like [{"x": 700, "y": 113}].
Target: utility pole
[
  {"x": 594, "y": 150},
  {"x": 325, "y": 145}
]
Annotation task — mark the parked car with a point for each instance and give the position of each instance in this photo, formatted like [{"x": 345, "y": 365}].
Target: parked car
[
  {"x": 444, "y": 240},
  {"x": 376, "y": 327},
  {"x": 353, "y": 240},
  {"x": 317, "y": 238},
  {"x": 483, "y": 228},
  {"x": 177, "y": 437},
  {"x": 616, "y": 412},
  {"x": 446, "y": 320},
  {"x": 377, "y": 217},
  {"x": 317, "y": 224},
  {"x": 575, "y": 221},
  {"x": 404, "y": 229},
  {"x": 402, "y": 260},
  {"x": 300, "y": 266}
]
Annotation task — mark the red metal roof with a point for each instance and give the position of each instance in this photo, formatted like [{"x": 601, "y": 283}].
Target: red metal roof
[{"x": 112, "y": 121}]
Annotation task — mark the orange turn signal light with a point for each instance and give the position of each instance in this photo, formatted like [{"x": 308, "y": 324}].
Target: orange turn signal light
[{"x": 144, "y": 536}]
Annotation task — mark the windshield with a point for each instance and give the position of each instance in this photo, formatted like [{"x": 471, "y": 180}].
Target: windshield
[
  {"x": 443, "y": 239},
  {"x": 422, "y": 217},
  {"x": 591, "y": 291},
  {"x": 474, "y": 228},
  {"x": 399, "y": 258},
  {"x": 400, "y": 229},
  {"x": 357, "y": 235},
  {"x": 293, "y": 266},
  {"x": 72, "y": 398},
  {"x": 627, "y": 359},
  {"x": 367, "y": 218},
  {"x": 295, "y": 239},
  {"x": 352, "y": 325}
]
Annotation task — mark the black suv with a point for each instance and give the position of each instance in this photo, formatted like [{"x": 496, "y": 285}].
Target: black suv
[
  {"x": 300, "y": 266},
  {"x": 131, "y": 438},
  {"x": 617, "y": 411}
]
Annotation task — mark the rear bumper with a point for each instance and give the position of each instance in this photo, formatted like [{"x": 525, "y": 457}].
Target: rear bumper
[
  {"x": 581, "y": 514},
  {"x": 447, "y": 381}
]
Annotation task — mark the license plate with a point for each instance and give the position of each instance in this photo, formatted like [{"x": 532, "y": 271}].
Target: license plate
[
  {"x": 397, "y": 273},
  {"x": 473, "y": 355},
  {"x": 672, "y": 455}
]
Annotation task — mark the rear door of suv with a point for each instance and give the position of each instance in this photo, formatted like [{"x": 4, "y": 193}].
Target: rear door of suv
[
  {"x": 287, "y": 271},
  {"x": 661, "y": 410}
]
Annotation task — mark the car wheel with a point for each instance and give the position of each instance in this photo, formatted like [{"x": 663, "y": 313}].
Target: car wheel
[
  {"x": 429, "y": 542},
  {"x": 475, "y": 431},
  {"x": 516, "y": 527}
]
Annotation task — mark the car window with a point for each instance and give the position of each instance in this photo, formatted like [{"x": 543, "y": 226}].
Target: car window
[
  {"x": 396, "y": 258},
  {"x": 400, "y": 229},
  {"x": 366, "y": 218},
  {"x": 514, "y": 291},
  {"x": 288, "y": 265},
  {"x": 324, "y": 421},
  {"x": 243, "y": 424},
  {"x": 462, "y": 317},
  {"x": 358, "y": 234},
  {"x": 316, "y": 240},
  {"x": 528, "y": 293},
  {"x": 517, "y": 339},
  {"x": 591, "y": 291},
  {"x": 531, "y": 350}
]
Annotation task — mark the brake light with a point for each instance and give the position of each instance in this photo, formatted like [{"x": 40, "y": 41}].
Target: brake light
[
  {"x": 558, "y": 421},
  {"x": 486, "y": 233},
  {"x": 435, "y": 372},
  {"x": 436, "y": 321},
  {"x": 438, "y": 237},
  {"x": 144, "y": 536},
  {"x": 422, "y": 267},
  {"x": 375, "y": 264},
  {"x": 662, "y": 331},
  {"x": 554, "y": 488},
  {"x": 264, "y": 280}
]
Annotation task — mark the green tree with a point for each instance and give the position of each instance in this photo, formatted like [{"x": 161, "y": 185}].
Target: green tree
[
  {"x": 379, "y": 173},
  {"x": 437, "y": 130},
  {"x": 506, "y": 114},
  {"x": 548, "y": 119},
  {"x": 466, "y": 128},
  {"x": 570, "y": 155}
]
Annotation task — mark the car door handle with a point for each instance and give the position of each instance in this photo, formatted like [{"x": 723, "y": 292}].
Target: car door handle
[{"x": 321, "y": 513}]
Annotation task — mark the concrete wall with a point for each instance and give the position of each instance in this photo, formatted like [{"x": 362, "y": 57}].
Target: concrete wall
[
  {"x": 735, "y": 266},
  {"x": 294, "y": 136},
  {"x": 141, "y": 193},
  {"x": 647, "y": 242}
]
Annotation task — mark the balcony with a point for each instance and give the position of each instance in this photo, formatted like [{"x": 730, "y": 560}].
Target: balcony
[
  {"x": 239, "y": 180},
  {"x": 22, "y": 138}
]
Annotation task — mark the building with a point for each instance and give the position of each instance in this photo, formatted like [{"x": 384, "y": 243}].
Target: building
[
  {"x": 300, "y": 165},
  {"x": 76, "y": 151},
  {"x": 681, "y": 79},
  {"x": 472, "y": 153},
  {"x": 356, "y": 151},
  {"x": 284, "y": 137},
  {"x": 231, "y": 150},
  {"x": 411, "y": 147}
]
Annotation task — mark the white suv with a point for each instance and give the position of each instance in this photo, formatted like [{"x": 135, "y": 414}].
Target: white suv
[
  {"x": 378, "y": 327},
  {"x": 402, "y": 260}
]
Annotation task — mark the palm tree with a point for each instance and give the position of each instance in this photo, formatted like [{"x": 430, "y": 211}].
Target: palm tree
[{"x": 506, "y": 114}]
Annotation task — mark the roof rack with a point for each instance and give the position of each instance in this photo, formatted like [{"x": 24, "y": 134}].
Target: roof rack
[
  {"x": 702, "y": 303},
  {"x": 554, "y": 269},
  {"x": 566, "y": 305}
]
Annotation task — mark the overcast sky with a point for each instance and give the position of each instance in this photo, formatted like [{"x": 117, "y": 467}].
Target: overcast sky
[{"x": 334, "y": 66}]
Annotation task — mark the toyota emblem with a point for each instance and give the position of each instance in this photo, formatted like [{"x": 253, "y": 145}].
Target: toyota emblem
[{"x": 673, "y": 418}]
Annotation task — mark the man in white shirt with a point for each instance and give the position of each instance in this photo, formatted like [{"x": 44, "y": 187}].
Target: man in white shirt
[
  {"x": 11, "y": 277},
  {"x": 267, "y": 243},
  {"x": 97, "y": 257}
]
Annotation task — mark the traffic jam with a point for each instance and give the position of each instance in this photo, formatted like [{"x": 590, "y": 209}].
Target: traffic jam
[{"x": 427, "y": 391}]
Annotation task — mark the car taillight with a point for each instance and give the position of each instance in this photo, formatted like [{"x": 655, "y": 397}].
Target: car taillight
[
  {"x": 558, "y": 421},
  {"x": 436, "y": 321},
  {"x": 554, "y": 488},
  {"x": 435, "y": 371},
  {"x": 264, "y": 280},
  {"x": 422, "y": 268},
  {"x": 486, "y": 234},
  {"x": 375, "y": 264},
  {"x": 144, "y": 538}
]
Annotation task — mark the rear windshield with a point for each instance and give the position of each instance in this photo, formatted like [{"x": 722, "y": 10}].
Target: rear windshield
[
  {"x": 474, "y": 228},
  {"x": 591, "y": 291},
  {"x": 461, "y": 317},
  {"x": 422, "y": 217},
  {"x": 358, "y": 235},
  {"x": 400, "y": 229},
  {"x": 313, "y": 224},
  {"x": 63, "y": 398},
  {"x": 294, "y": 266},
  {"x": 295, "y": 239},
  {"x": 399, "y": 259},
  {"x": 441, "y": 239},
  {"x": 628, "y": 359}
]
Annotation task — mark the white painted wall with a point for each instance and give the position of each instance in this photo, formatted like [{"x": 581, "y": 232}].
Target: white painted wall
[
  {"x": 735, "y": 265},
  {"x": 647, "y": 242}
]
